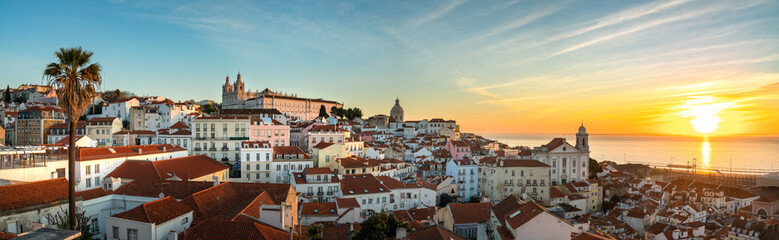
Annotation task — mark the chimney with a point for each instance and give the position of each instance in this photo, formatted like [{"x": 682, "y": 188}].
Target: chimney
[
  {"x": 400, "y": 233},
  {"x": 172, "y": 235}
]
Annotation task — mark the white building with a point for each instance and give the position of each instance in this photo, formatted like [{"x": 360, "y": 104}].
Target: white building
[
  {"x": 569, "y": 163},
  {"x": 257, "y": 161},
  {"x": 405, "y": 196},
  {"x": 369, "y": 192},
  {"x": 93, "y": 164},
  {"x": 288, "y": 160},
  {"x": 120, "y": 108},
  {"x": 317, "y": 185},
  {"x": 159, "y": 220}
]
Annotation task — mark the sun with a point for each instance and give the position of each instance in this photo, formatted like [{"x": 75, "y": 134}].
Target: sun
[{"x": 704, "y": 111}]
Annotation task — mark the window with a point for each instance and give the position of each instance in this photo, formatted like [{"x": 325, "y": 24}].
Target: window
[
  {"x": 88, "y": 169},
  {"x": 132, "y": 234},
  {"x": 184, "y": 220},
  {"x": 97, "y": 181},
  {"x": 97, "y": 168},
  {"x": 89, "y": 182},
  {"x": 115, "y": 231}
]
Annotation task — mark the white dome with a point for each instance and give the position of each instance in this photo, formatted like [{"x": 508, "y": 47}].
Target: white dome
[{"x": 397, "y": 111}]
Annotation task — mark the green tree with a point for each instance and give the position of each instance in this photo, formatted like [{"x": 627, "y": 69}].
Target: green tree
[
  {"x": 352, "y": 113},
  {"x": 75, "y": 78},
  {"x": 7, "y": 94},
  {"x": 315, "y": 232},
  {"x": 595, "y": 168},
  {"x": 323, "y": 111},
  {"x": 380, "y": 226},
  {"x": 444, "y": 200},
  {"x": 474, "y": 199},
  {"x": 208, "y": 108},
  {"x": 21, "y": 99}
]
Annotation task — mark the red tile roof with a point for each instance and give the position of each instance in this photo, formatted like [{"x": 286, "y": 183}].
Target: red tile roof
[
  {"x": 156, "y": 188},
  {"x": 230, "y": 200},
  {"x": 186, "y": 168},
  {"x": 221, "y": 229},
  {"x": 319, "y": 208},
  {"x": 87, "y": 154},
  {"x": 49, "y": 192},
  {"x": 357, "y": 162},
  {"x": 523, "y": 163},
  {"x": 361, "y": 184},
  {"x": 555, "y": 193},
  {"x": 323, "y": 145},
  {"x": 434, "y": 233},
  {"x": 157, "y": 211},
  {"x": 179, "y": 125},
  {"x": 470, "y": 212},
  {"x": 101, "y": 119},
  {"x": 347, "y": 203},
  {"x": 317, "y": 171}
]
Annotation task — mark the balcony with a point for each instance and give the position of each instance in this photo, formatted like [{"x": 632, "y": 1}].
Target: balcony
[
  {"x": 320, "y": 193},
  {"x": 198, "y": 149},
  {"x": 535, "y": 184},
  {"x": 309, "y": 194},
  {"x": 329, "y": 193},
  {"x": 213, "y": 149},
  {"x": 225, "y": 149},
  {"x": 238, "y": 138},
  {"x": 508, "y": 184}
]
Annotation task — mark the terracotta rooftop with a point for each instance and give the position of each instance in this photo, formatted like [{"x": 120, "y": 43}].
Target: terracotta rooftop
[
  {"x": 323, "y": 145},
  {"x": 319, "y": 208},
  {"x": 347, "y": 203},
  {"x": 157, "y": 211},
  {"x": 185, "y": 168},
  {"x": 28, "y": 194},
  {"x": 434, "y": 233},
  {"x": 87, "y": 154},
  {"x": 221, "y": 229},
  {"x": 154, "y": 188},
  {"x": 470, "y": 212},
  {"x": 361, "y": 184}
]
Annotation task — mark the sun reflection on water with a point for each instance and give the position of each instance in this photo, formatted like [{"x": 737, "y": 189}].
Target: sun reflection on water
[{"x": 705, "y": 151}]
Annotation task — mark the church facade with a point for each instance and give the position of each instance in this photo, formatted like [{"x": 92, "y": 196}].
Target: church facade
[
  {"x": 569, "y": 163},
  {"x": 235, "y": 96}
]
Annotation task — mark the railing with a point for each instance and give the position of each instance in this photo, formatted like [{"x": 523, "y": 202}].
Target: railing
[
  {"x": 508, "y": 184},
  {"x": 213, "y": 149},
  {"x": 329, "y": 193},
  {"x": 535, "y": 184},
  {"x": 197, "y": 149},
  {"x": 320, "y": 193},
  {"x": 238, "y": 138}
]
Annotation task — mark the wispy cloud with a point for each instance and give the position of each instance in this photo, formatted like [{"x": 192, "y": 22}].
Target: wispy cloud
[
  {"x": 533, "y": 16},
  {"x": 630, "y": 30},
  {"x": 617, "y": 18},
  {"x": 438, "y": 13}
]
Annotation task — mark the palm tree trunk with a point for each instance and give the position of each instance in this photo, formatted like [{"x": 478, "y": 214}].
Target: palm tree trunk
[{"x": 72, "y": 175}]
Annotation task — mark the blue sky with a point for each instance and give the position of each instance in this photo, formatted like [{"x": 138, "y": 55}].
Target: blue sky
[{"x": 496, "y": 66}]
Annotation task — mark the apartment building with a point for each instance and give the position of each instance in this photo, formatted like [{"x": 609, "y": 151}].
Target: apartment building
[
  {"x": 32, "y": 124},
  {"x": 500, "y": 178}
]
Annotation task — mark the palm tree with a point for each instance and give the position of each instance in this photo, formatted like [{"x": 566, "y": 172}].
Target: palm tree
[{"x": 75, "y": 79}]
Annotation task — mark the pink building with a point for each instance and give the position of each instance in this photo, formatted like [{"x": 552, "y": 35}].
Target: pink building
[
  {"x": 266, "y": 129},
  {"x": 458, "y": 149}
]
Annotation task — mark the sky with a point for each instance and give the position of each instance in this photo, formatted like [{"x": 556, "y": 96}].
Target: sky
[{"x": 665, "y": 67}]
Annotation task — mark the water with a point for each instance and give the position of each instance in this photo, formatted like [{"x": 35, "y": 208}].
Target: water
[{"x": 722, "y": 153}]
